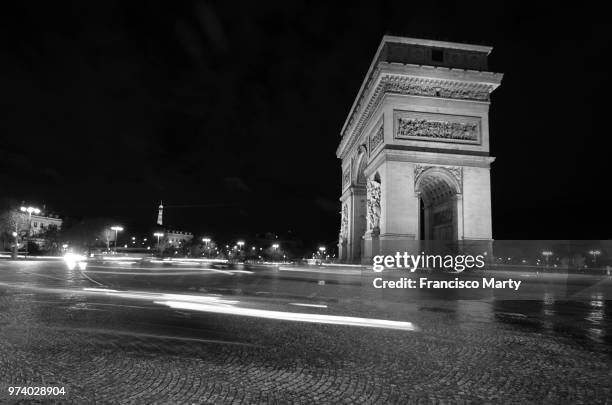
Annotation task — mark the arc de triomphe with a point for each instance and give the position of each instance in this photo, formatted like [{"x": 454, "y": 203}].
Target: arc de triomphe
[{"x": 415, "y": 149}]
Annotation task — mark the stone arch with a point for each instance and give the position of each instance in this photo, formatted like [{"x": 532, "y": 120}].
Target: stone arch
[
  {"x": 361, "y": 162},
  {"x": 439, "y": 191},
  {"x": 453, "y": 180}
]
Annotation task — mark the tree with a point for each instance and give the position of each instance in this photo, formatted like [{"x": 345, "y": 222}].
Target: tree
[
  {"x": 12, "y": 223},
  {"x": 52, "y": 237}
]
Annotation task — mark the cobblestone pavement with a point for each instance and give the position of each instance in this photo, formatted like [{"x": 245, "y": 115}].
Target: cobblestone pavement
[{"x": 105, "y": 349}]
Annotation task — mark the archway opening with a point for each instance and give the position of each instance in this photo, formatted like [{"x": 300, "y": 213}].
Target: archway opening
[{"x": 438, "y": 207}]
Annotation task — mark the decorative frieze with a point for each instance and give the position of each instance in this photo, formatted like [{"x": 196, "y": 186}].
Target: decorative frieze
[
  {"x": 377, "y": 138},
  {"x": 414, "y": 125},
  {"x": 421, "y": 128},
  {"x": 419, "y": 86}
]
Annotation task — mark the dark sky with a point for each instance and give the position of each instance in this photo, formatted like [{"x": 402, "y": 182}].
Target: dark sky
[{"x": 236, "y": 108}]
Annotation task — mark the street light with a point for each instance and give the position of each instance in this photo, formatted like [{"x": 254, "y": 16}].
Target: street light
[
  {"x": 206, "y": 242},
  {"x": 594, "y": 253},
  {"x": 159, "y": 235},
  {"x": 240, "y": 244},
  {"x": 117, "y": 229},
  {"x": 547, "y": 254},
  {"x": 15, "y": 246},
  {"x": 30, "y": 211}
]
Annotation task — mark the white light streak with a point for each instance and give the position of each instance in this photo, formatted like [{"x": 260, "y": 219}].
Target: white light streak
[
  {"x": 291, "y": 316},
  {"x": 299, "y": 304}
]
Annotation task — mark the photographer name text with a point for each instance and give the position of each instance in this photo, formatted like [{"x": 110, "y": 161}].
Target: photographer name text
[{"x": 424, "y": 282}]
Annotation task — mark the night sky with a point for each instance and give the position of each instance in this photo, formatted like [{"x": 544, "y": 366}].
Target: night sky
[{"x": 231, "y": 112}]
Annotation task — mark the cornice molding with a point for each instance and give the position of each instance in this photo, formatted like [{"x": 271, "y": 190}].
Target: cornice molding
[
  {"x": 431, "y": 158},
  {"x": 455, "y": 85}
]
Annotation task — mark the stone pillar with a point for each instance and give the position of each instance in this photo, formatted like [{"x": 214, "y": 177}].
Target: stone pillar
[
  {"x": 371, "y": 246},
  {"x": 459, "y": 215},
  {"x": 417, "y": 195},
  {"x": 399, "y": 227},
  {"x": 343, "y": 236},
  {"x": 476, "y": 204},
  {"x": 342, "y": 249},
  {"x": 356, "y": 201}
]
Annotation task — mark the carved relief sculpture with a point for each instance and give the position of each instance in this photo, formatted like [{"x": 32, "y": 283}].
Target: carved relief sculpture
[
  {"x": 435, "y": 88},
  {"x": 413, "y": 127},
  {"x": 346, "y": 178},
  {"x": 373, "y": 205},
  {"x": 344, "y": 223}
]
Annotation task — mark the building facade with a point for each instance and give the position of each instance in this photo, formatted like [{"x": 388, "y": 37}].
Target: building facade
[
  {"x": 415, "y": 149},
  {"x": 175, "y": 238},
  {"x": 42, "y": 222}
]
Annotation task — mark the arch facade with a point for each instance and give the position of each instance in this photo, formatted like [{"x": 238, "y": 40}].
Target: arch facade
[{"x": 415, "y": 150}]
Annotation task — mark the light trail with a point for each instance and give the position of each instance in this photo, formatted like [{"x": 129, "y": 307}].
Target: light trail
[
  {"x": 298, "y": 304},
  {"x": 320, "y": 270},
  {"x": 291, "y": 316},
  {"x": 164, "y": 272}
]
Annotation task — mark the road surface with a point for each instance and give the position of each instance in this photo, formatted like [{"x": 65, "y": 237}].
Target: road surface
[{"x": 189, "y": 333}]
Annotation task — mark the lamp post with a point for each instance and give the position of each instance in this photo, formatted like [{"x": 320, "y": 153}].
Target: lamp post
[
  {"x": 275, "y": 247},
  {"x": 321, "y": 253},
  {"x": 15, "y": 247},
  {"x": 240, "y": 244},
  {"x": 158, "y": 235},
  {"x": 30, "y": 211},
  {"x": 117, "y": 229},
  {"x": 206, "y": 242},
  {"x": 547, "y": 254},
  {"x": 594, "y": 253}
]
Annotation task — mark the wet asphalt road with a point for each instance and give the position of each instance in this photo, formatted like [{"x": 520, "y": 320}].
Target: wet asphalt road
[{"x": 190, "y": 333}]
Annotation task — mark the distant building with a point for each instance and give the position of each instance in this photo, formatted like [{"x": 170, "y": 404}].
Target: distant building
[
  {"x": 177, "y": 237},
  {"x": 35, "y": 228},
  {"x": 40, "y": 222},
  {"x": 44, "y": 221},
  {"x": 173, "y": 236}
]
